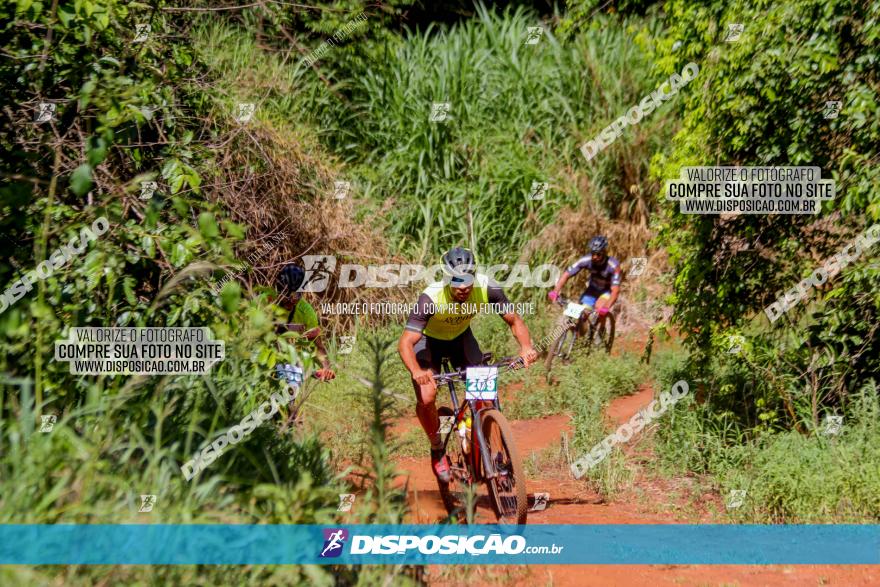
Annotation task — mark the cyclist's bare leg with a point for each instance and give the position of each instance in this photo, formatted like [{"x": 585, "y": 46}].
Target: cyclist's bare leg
[
  {"x": 426, "y": 410},
  {"x": 582, "y": 323}
]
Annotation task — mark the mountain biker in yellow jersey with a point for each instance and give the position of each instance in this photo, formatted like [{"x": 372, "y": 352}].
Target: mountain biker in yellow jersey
[
  {"x": 301, "y": 315},
  {"x": 439, "y": 327},
  {"x": 603, "y": 287}
]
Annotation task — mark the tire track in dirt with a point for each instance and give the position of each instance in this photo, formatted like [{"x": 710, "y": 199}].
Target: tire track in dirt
[{"x": 573, "y": 502}]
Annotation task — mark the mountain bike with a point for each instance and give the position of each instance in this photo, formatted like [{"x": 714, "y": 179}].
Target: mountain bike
[
  {"x": 483, "y": 452},
  {"x": 600, "y": 334}
]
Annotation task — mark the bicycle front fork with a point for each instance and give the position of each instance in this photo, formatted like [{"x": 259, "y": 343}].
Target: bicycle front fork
[{"x": 488, "y": 463}]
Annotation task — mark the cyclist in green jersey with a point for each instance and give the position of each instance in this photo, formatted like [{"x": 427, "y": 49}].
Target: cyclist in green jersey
[
  {"x": 439, "y": 327},
  {"x": 301, "y": 315}
]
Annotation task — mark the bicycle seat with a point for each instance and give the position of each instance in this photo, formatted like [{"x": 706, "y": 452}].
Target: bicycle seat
[{"x": 487, "y": 358}]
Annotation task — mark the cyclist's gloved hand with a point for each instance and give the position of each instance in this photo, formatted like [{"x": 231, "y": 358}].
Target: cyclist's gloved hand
[
  {"x": 553, "y": 295},
  {"x": 602, "y": 311}
]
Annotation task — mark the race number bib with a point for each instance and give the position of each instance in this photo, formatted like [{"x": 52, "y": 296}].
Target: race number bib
[
  {"x": 574, "y": 311},
  {"x": 482, "y": 383},
  {"x": 290, "y": 373}
]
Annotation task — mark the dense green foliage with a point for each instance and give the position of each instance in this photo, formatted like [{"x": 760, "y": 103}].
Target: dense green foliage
[
  {"x": 728, "y": 269},
  {"x": 126, "y": 112},
  {"x": 162, "y": 109},
  {"x": 759, "y": 101}
]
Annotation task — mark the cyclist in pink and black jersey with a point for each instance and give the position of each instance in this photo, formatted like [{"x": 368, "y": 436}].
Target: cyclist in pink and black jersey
[{"x": 603, "y": 287}]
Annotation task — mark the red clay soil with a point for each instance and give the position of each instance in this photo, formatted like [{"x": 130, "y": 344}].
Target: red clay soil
[{"x": 573, "y": 502}]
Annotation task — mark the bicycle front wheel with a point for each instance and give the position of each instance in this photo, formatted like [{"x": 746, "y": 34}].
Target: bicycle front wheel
[
  {"x": 507, "y": 489},
  {"x": 561, "y": 348}
]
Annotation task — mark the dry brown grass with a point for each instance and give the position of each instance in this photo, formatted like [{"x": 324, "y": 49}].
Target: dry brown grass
[{"x": 270, "y": 183}]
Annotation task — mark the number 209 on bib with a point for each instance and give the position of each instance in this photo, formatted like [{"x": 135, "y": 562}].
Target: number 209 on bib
[{"x": 482, "y": 383}]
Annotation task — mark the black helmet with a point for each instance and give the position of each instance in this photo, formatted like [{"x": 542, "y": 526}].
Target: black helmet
[
  {"x": 598, "y": 244},
  {"x": 290, "y": 279},
  {"x": 459, "y": 264}
]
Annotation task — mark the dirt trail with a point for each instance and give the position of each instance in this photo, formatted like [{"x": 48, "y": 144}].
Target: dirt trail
[{"x": 573, "y": 502}]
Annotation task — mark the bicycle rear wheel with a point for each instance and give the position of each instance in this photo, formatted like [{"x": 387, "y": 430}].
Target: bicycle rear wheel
[
  {"x": 608, "y": 337},
  {"x": 507, "y": 489},
  {"x": 602, "y": 335}
]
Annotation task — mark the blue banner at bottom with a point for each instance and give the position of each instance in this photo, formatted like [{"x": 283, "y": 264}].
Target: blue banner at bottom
[{"x": 672, "y": 544}]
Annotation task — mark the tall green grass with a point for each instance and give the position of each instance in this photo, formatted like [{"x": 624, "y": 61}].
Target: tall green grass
[
  {"x": 788, "y": 476},
  {"x": 126, "y": 437},
  {"x": 519, "y": 114}
]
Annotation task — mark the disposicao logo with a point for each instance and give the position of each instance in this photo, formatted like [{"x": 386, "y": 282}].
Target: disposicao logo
[{"x": 334, "y": 540}]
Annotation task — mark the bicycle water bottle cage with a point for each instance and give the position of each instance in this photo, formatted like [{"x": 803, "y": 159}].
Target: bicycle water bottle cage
[{"x": 290, "y": 373}]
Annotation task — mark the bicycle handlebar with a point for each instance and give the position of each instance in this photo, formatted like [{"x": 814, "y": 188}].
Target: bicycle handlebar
[
  {"x": 565, "y": 301},
  {"x": 460, "y": 374}
]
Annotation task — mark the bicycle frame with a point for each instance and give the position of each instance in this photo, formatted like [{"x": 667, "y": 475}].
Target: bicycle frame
[{"x": 458, "y": 411}]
